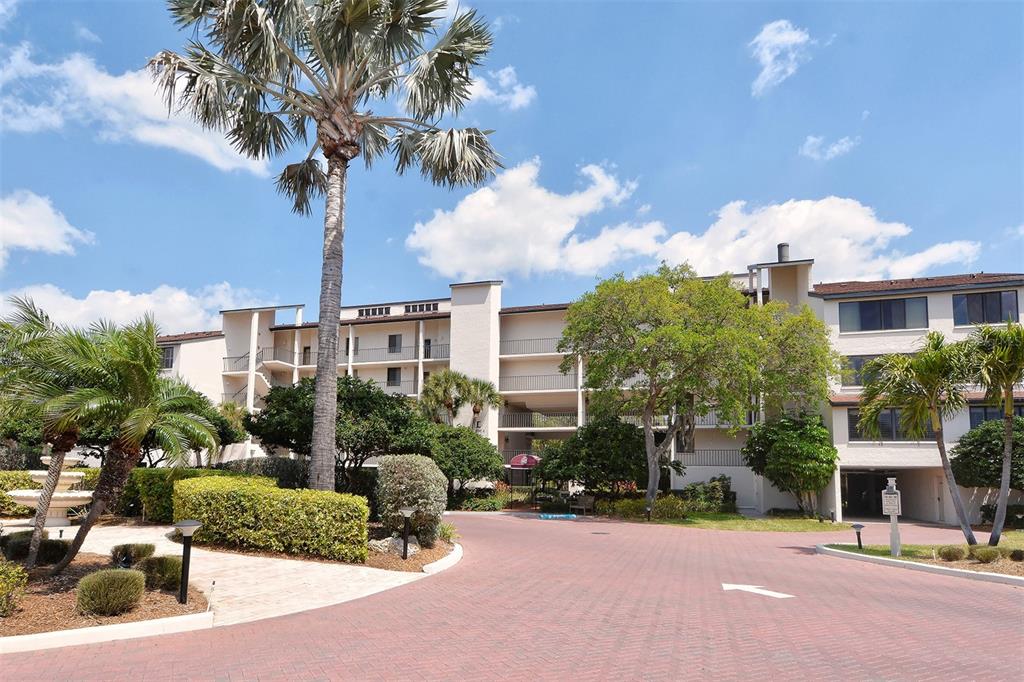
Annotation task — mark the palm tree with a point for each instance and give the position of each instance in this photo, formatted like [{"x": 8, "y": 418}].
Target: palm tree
[
  {"x": 273, "y": 70},
  {"x": 443, "y": 395},
  {"x": 122, "y": 388},
  {"x": 480, "y": 393},
  {"x": 29, "y": 378},
  {"x": 1000, "y": 367},
  {"x": 926, "y": 387}
]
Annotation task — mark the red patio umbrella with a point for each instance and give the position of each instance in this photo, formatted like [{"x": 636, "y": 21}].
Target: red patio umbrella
[{"x": 524, "y": 462}]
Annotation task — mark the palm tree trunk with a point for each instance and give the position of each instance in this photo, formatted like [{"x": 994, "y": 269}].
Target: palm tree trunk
[
  {"x": 60, "y": 446},
  {"x": 1004, "y": 480},
  {"x": 325, "y": 405},
  {"x": 653, "y": 466},
  {"x": 113, "y": 476},
  {"x": 954, "y": 489}
]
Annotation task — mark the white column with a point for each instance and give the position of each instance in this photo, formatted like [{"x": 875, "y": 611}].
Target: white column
[
  {"x": 672, "y": 444},
  {"x": 351, "y": 347},
  {"x": 250, "y": 377},
  {"x": 580, "y": 410},
  {"x": 760, "y": 286},
  {"x": 419, "y": 357}
]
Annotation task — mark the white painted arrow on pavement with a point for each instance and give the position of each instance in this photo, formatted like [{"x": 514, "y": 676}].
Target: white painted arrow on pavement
[{"x": 756, "y": 590}]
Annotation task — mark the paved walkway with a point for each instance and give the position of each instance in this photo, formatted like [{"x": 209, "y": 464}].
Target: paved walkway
[
  {"x": 596, "y": 600},
  {"x": 252, "y": 587}
]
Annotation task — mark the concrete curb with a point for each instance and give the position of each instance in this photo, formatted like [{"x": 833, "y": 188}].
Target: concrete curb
[
  {"x": 927, "y": 568},
  {"x": 454, "y": 557},
  {"x": 106, "y": 633}
]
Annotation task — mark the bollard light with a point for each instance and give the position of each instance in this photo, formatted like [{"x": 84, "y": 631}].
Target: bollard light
[
  {"x": 406, "y": 512},
  {"x": 857, "y": 528},
  {"x": 648, "y": 510},
  {"x": 187, "y": 529}
]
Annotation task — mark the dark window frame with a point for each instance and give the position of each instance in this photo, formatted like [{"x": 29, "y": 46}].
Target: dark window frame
[
  {"x": 889, "y": 426},
  {"x": 167, "y": 354},
  {"x": 985, "y": 307},
  {"x": 979, "y": 414},
  {"x": 882, "y": 314},
  {"x": 398, "y": 373}
]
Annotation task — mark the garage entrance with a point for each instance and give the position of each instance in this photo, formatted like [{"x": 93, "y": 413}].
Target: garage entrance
[{"x": 862, "y": 492}]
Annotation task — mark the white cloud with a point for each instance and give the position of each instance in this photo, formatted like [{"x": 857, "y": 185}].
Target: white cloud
[
  {"x": 814, "y": 147},
  {"x": 176, "y": 310},
  {"x": 846, "y": 239},
  {"x": 865, "y": 114},
  {"x": 45, "y": 96},
  {"x": 8, "y": 8},
  {"x": 779, "y": 48},
  {"x": 82, "y": 32},
  {"x": 514, "y": 225},
  {"x": 31, "y": 223},
  {"x": 502, "y": 87}
]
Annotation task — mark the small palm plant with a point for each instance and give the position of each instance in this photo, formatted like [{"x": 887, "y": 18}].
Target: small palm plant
[
  {"x": 121, "y": 387},
  {"x": 480, "y": 393},
  {"x": 274, "y": 71},
  {"x": 926, "y": 387},
  {"x": 443, "y": 395},
  {"x": 1001, "y": 367}
]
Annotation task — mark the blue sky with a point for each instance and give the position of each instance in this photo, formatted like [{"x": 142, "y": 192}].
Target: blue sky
[{"x": 883, "y": 140}]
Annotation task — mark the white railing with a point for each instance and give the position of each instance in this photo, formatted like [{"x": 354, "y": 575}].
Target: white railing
[
  {"x": 537, "y": 420},
  {"x": 391, "y": 353},
  {"x": 711, "y": 458},
  {"x": 537, "y": 382},
  {"x": 406, "y": 387},
  {"x": 528, "y": 346}
]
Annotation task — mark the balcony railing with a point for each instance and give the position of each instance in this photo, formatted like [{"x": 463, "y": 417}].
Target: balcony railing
[
  {"x": 537, "y": 382},
  {"x": 240, "y": 363},
  {"x": 390, "y": 353},
  {"x": 712, "y": 420},
  {"x": 436, "y": 351},
  {"x": 660, "y": 420},
  {"x": 528, "y": 346},
  {"x": 280, "y": 354},
  {"x": 711, "y": 458},
  {"x": 307, "y": 358},
  {"x": 406, "y": 387},
  {"x": 537, "y": 420}
]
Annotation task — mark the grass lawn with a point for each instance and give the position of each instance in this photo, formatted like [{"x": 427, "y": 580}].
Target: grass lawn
[
  {"x": 723, "y": 521},
  {"x": 1013, "y": 539}
]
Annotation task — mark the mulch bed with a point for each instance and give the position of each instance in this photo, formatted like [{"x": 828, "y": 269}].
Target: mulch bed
[
  {"x": 49, "y": 604},
  {"x": 1004, "y": 566}
]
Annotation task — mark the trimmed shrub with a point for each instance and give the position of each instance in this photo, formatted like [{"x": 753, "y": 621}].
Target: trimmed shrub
[
  {"x": 154, "y": 489},
  {"x": 411, "y": 481},
  {"x": 4, "y": 539},
  {"x": 1017, "y": 554},
  {"x": 126, "y": 555},
  {"x": 952, "y": 552},
  {"x": 988, "y": 515},
  {"x": 16, "y": 548},
  {"x": 110, "y": 592},
  {"x": 14, "y": 480},
  {"x": 51, "y": 551},
  {"x": 289, "y": 473},
  {"x": 482, "y": 504},
  {"x": 13, "y": 580},
  {"x": 162, "y": 572},
  {"x": 665, "y": 507},
  {"x": 985, "y": 555},
  {"x": 253, "y": 513}
]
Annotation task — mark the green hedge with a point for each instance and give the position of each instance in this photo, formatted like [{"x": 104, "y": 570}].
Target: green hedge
[
  {"x": 13, "y": 580},
  {"x": 150, "y": 492},
  {"x": 665, "y": 507},
  {"x": 252, "y": 513},
  {"x": 289, "y": 473},
  {"x": 14, "y": 480}
]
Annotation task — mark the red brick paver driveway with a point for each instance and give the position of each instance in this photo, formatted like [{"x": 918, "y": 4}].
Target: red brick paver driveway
[{"x": 589, "y": 600}]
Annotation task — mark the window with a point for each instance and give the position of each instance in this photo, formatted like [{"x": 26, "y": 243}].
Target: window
[
  {"x": 984, "y": 413},
  {"x": 307, "y": 354},
  {"x": 355, "y": 346},
  {"x": 888, "y": 426},
  {"x": 421, "y": 308},
  {"x": 855, "y": 374},
  {"x": 166, "y": 357},
  {"x": 890, "y": 313},
  {"x": 426, "y": 348},
  {"x": 394, "y": 343},
  {"x": 394, "y": 376},
  {"x": 991, "y": 307},
  {"x": 375, "y": 312}
]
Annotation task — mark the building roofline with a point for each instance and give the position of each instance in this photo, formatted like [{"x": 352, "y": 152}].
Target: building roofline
[
  {"x": 1008, "y": 279},
  {"x": 541, "y": 308},
  {"x": 261, "y": 308},
  {"x": 470, "y": 284},
  {"x": 781, "y": 263},
  {"x": 383, "y": 319},
  {"x": 188, "y": 336},
  {"x": 417, "y": 300}
]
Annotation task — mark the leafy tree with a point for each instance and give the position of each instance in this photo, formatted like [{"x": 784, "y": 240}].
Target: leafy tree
[
  {"x": 795, "y": 454},
  {"x": 369, "y": 423},
  {"x": 927, "y": 387},
  {"x": 120, "y": 385},
  {"x": 977, "y": 459},
  {"x": 1000, "y": 368},
  {"x": 463, "y": 455},
  {"x": 601, "y": 456},
  {"x": 670, "y": 342},
  {"x": 443, "y": 395},
  {"x": 272, "y": 71}
]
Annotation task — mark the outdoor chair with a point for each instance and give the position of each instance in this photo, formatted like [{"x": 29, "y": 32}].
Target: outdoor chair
[{"x": 584, "y": 503}]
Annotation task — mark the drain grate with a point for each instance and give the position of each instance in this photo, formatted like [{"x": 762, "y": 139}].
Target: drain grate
[{"x": 599, "y": 532}]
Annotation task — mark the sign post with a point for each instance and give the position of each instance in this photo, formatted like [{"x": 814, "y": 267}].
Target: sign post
[{"x": 891, "y": 506}]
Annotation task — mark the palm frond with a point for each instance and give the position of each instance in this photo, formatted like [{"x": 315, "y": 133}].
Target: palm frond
[
  {"x": 302, "y": 182},
  {"x": 447, "y": 157}
]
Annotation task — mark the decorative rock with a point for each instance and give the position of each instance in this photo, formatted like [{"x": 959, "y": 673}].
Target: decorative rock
[{"x": 394, "y": 545}]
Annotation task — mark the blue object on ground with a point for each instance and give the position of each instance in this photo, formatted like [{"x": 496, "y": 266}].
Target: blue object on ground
[{"x": 558, "y": 516}]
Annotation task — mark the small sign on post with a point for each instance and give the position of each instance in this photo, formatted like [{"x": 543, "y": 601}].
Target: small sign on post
[{"x": 892, "y": 507}]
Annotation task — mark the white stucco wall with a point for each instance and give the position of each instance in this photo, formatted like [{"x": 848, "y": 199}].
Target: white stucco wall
[
  {"x": 198, "y": 363},
  {"x": 475, "y": 332}
]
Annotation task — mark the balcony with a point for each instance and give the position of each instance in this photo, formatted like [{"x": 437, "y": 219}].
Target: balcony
[
  {"x": 537, "y": 420},
  {"x": 389, "y": 354},
  {"x": 436, "y": 351},
  {"x": 538, "y": 382},
  {"x": 406, "y": 387},
  {"x": 711, "y": 458},
  {"x": 711, "y": 420},
  {"x": 528, "y": 346},
  {"x": 280, "y": 354},
  {"x": 240, "y": 363}
]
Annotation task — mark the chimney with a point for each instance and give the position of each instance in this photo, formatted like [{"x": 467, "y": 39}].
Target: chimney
[{"x": 783, "y": 252}]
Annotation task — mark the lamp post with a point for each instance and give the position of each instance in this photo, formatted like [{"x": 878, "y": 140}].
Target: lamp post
[
  {"x": 857, "y": 528},
  {"x": 407, "y": 512},
  {"x": 647, "y": 509},
  {"x": 187, "y": 528}
]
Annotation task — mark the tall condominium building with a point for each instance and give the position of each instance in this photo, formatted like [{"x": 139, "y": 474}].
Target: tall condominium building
[{"x": 399, "y": 344}]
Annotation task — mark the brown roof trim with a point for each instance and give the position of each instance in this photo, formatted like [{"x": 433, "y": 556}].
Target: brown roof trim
[
  {"x": 975, "y": 280},
  {"x": 543, "y": 307},
  {"x": 188, "y": 336},
  {"x": 369, "y": 320},
  {"x": 853, "y": 399}
]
